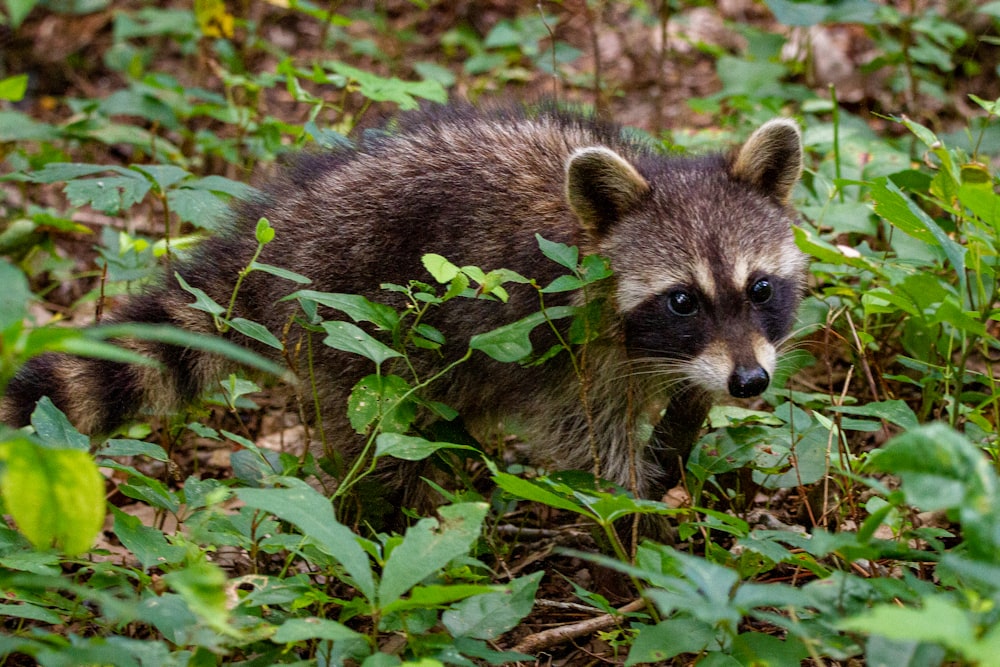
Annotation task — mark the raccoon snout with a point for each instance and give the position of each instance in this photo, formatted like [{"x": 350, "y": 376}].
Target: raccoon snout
[{"x": 748, "y": 382}]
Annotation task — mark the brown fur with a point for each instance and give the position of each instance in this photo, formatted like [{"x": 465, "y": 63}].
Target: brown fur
[{"x": 476, "y": 187}]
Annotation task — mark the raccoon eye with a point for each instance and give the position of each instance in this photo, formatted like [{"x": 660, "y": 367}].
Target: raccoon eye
[
  {"x": 682, "y": 303},
  {"x": 761, "y": 291}
]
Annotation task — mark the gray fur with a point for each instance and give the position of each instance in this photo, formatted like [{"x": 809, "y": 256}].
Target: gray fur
[{"x": 476, "y": 187}]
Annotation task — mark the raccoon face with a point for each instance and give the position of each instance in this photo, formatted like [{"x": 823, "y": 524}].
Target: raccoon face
[
  {"x": 722, "y": 338},
  {"x": 708, "y": 276}
]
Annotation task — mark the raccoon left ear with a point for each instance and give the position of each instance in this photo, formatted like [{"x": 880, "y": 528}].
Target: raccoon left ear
[
  {"x": 771, "y": 159},
  {"x": 602, "y": 186}
]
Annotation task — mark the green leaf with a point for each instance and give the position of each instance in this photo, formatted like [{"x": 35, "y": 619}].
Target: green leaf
[
  {"x": 313, "y": 514},
  {"x": 202, "y": 585},
  {"x": 391, "y": 89},
  {"x": 109, "y": 194},
  {"x": 202, "y": 301},
  {"x": 16, "y": 126},
  {"x": 148, "y": 545},
  {"x": 438, "y": 595},
  {"x": 300, "y": 629},
  {"x": 355, "y": 306},
  {"x": 660, "y": 642},
  {"x": 411, "y": 447},
  {"x": 188, "y": 339},
  {"x": 350, "y": 338},
  {"x": 797, "y": 13},
  {"x": 560, "y": 253},
  {"x": 492, "y": 614},
  {"x": 256, "y": 331},
  {"x": 13, "y": 88},
  {"x": 428, "y": 546},
  {"x": 15, "y": 295},
  {"x": 376, "y": 396},
  {"x": 127, "y": 447},
  {"x": 199, "y": 207},
  {"x": 893, "y": 205},
  {"x": 56, "y": 496},
  {"x": 164, "y": 176},
  {"x": 440, "y": 268},
  {"x": 522, "y": 488},
  {"x": 565, "y": 283},
  {"x": 54, "y": 429},
  {"x": 939, "y": 621},
  {"x": 894, "y": 411},
  {"x": 512, "y": 342},
  {"x": 264, "y": 232},
  {"x": 281, "y": 273},
  {"x": 18, "y": 10},
  {"x": 758, "y": 648},
  {"x": 939, "y": 468}
]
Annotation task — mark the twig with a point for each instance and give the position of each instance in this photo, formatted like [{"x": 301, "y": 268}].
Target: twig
[{"x": 554, "y": 636}]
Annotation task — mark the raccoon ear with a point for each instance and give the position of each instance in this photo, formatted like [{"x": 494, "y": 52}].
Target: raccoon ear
[
  {"x": 771, "y": 159},
  {"x": 602, "y": 186}
]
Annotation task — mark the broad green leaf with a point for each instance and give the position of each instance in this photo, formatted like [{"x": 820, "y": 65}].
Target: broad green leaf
[
  {"x": 512, "y": 342},
  {"x": 492, "y": 614},
  {"x": 758, "y": 648},
  {"x": 14, "y": 296},
  {"x": 199, "y": 207},
  {"x": 109, "y": 194},
  {"x": 53, "y": 172},
  {"x": 54, "y": 429},
  {"x": 13, "y": 88},
  {"x": 202, "y": 585},
  {"x": 126, "y": 447},
  {"x": 894, "y": 411},
  {"x": 522, "y": 488},
  {"x": 391, "y": 89},
  {"x": 411, "y": 447},
  {"x": 939, "y": 467},
  {"x": 56, "y": 496},
  {"x": 18, "y": 10},
  {"x": 439, "y": 595},
  {"x": 30, "y": 611},
  {"x": 560, "y": 253},
  {"x": 313, "y": 514},
  {"x": 893, "y": 205},
  {"x": 202, "y": 301},
  {"x": 16, "y": 126},
  {"x": 376, "y": 396},
  {"x": 939, "y": 621},
  {"x": 565, "y": 283},
  {"x": 300, "y": 629},
  {"x": 165, "y": 176},
  {"x": 428, "y": 546},
  {"x": 793, "y": 13},
  {"x": 148, "y": 545},
  {"x": 440, "y": 268},
  {"x": 665, "y": 640},
  {"x": 350, "y": 338},
  {"x": 355, "y": 306}
]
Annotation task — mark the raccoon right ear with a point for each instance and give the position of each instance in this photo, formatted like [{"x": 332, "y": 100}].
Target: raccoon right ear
[
  {"x": 602, "y": 186},
  {"x": 771, "y": 159}
]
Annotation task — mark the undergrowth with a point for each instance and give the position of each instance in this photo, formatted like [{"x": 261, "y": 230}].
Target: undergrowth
[{"x": 881, "y": 429}]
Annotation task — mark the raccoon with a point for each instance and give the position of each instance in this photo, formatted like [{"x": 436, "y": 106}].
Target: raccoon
[{"x": 706, "y": 283}]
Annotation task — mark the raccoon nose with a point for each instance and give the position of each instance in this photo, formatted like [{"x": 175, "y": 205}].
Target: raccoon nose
[{"x": 747, "y": 382}]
